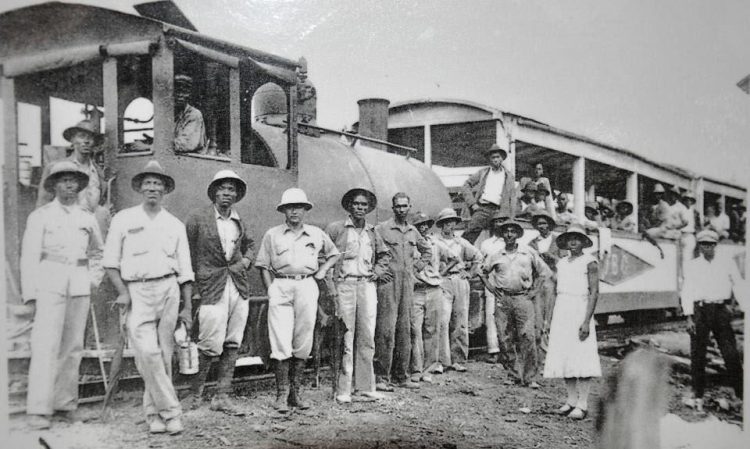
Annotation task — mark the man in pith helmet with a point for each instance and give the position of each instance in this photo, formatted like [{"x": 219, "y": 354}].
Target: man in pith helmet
[
  {"x": 288, "y": 259},
  {"x": 60, "y": 266},
  {"x": 221, "y": 250}
]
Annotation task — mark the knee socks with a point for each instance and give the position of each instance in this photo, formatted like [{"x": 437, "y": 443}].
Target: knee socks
[
  {"x": 570, "y": 386},
  {"x": 584, "y": 385}
]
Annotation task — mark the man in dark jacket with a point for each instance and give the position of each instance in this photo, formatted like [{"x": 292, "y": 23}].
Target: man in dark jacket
[
  {"x": 487, "y": 192},
  {"x": 221, "y": 251}
]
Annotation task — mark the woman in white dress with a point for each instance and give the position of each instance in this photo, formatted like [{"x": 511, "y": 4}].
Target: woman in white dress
[{"x": 572, "y": 353}]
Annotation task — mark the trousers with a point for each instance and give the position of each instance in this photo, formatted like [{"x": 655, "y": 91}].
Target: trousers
[
  {"x": 393, "y": 328},
  {"x": 714, "y": 318},
  {"x": 425, "y": 326},
  {"x": 292, "y": 310},
  {"x": 56, "y": 351},
  {"x": 489, "y": 323},
  {"x": 151, "y": 323},
  {"x": 518, "y": 340},
  {"x": 222, "y": 324},
  {"x": 454, "y": 325},
  {"x": 358, "y": 302},
  {"x": 480, "y": 221}
]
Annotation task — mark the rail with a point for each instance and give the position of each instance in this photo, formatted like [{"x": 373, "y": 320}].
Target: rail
[{"x": 358, "y": 137}]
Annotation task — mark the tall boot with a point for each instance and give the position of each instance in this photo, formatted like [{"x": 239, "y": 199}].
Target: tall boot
[
  {"x": 198, "y": 382},
  {"x": 222, "y": 400},
  {"x": 281, "y": 370},
  {"x": 295, "y": 373}
]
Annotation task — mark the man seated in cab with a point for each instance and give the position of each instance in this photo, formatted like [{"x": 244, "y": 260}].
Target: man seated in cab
[
  {"x": 288, "y": 263},
  {"x": 189, "y": 127},
  {"x": 222, "y": 250},
  {"x": 623, "y": 219},
  {"x": 147, "y": 258},
  {"x": 61, "y": 256}
]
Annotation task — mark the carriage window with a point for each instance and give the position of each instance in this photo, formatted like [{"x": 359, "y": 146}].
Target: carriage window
[{"x": 138, "y": 124}]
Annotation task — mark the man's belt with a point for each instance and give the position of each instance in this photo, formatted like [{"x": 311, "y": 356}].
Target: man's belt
[
  {"x": 65, "y": 260},
  {"x": 351, "y": 277},
  {"x": 521, "y": 293},
  {"x": 713, "y": 303},
  {"x": 296, "y": 277},
  {"x": 158, "y": 278}
]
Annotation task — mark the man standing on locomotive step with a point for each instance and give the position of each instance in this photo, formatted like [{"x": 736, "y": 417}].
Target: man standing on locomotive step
[
  {"x": 410, "y": 253},
  {"x": 364, "y": 261},
  {"x": 488, "y": 191},
  {"x": 288, "y": 263},
  {"x": 147, "y": 258},
  {"x": 84, "y": 139},
  {"x": 221, "y": 251},
  {"x": 60, "y": 265}
]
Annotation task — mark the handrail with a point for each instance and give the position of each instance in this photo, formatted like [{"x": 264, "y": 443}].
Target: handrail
[{"x": 358, "y": 136}]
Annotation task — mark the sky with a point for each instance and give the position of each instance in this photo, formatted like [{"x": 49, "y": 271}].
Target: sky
[{"x": 657, "y": 78}]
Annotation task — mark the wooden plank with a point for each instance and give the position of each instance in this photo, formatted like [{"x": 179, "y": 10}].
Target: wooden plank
[
  {"x": 112, "y": 132},
  {"x": 235, "y": 111},
  {"x": 163, "y": 88},
  {"x": 10, "y": 175},
  {"x": 293, "y": 159}
]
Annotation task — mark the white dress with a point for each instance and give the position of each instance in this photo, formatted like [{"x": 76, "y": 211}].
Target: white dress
[{"x": 567, "y": 355}]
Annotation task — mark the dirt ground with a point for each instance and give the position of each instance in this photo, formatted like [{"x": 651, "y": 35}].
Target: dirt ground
[{"x": 477, "y": 409}]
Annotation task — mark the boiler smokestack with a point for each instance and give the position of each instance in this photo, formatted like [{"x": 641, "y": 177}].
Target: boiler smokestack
[{"x": 373, "y": 120}]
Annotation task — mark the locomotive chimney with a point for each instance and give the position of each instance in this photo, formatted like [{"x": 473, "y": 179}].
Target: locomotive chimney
[{"x": 373, "y": 120}]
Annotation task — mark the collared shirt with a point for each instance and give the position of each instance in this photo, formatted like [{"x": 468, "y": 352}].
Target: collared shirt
[
  {"x": 284, "y": 251},
  {"x": 719, "y": 223},
  {"x": 229, "y": 231},
  {"x": 493, "y": 186},
  {"x": 713, "y": 281},
  {"x": 409, "y": 250},
  {"x": 357, "y": 258},
  {"x": 189, "y": 131},
  {"x": 63, "y": 236},
  {"x": 461, "y": 251},
  {"x": 430, "y": 274},
  {"x": 489, "y": 247},
  {"x": 142, "y": 247},
  {"x": 516, "y": 271},
  {"x": 676, "y": 216},
  {"x": 543, "y": 244}
]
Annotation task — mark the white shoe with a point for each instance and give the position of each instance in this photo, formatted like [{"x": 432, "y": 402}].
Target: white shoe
[
  {"x": 156, "y": 424},
  {"x": 373, "y": 395},
  {"x": 344, "y": 399}
]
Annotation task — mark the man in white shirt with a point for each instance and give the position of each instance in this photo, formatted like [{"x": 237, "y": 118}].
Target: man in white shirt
[
  {"x": 488, "y": 191},
  {"x": 706, "y": 293},
  {"x": 488, "y": 248}
]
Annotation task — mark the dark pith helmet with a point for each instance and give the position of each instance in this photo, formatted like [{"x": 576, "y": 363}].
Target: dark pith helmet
[
  {"x": 372, "y": 200},
  {"x": 65, "y": 168}
]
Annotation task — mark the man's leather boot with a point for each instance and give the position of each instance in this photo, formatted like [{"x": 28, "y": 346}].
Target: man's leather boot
[
  {"x": 282, "y": 385},
  {"x": 198, "y": 382},
  {"x": 296, "y": 371},
  {"x": 222, "y": 400}
]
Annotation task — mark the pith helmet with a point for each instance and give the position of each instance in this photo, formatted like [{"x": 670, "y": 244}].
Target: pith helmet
[
  {"x": 224, "y": 175},
  {"x": 593, "y": 205},
  {"x": 372, "y": 200},
  {"x": 707, "y": 236},
  {"x": 689, "y": 195},
  {"x": 421, "y": 217},
  {"x": 574, "y": 229},
  {"x": 85, "y": 126},
  {"x": 152, "y": 168},
  {"x": 65, "y": 168},
  {"x": 676, "y": 191},
  {"x": 495, "y": 149},
  {"x": 447, "y": 214},
  {"x": 543, "y": 215},
  {"x": 501, "y": 216},
  {"x": 658, "y": 188},
  {"x": 512, "y": 224},
  {"x": 294, "y": 195}
]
